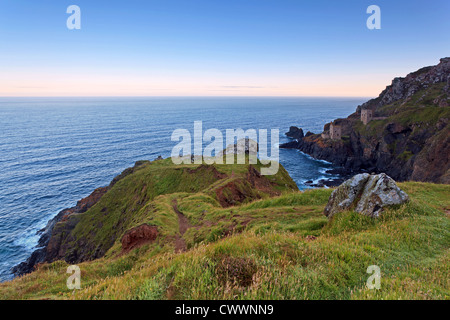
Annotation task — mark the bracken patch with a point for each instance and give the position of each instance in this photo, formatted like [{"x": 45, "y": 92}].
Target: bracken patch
[{"x": 238, "y": 271}]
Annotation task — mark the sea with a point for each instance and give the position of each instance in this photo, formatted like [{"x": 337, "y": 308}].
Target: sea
[{"x": 55, "y": 151}]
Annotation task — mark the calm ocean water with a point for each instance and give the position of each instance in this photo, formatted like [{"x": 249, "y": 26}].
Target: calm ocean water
[{"x": 55, "y": 151}]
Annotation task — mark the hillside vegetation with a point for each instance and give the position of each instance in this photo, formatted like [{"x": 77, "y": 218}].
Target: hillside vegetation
[{"x": 225, "y": 232}]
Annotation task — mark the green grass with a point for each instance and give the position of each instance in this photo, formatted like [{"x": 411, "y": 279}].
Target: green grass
[
  {"x": 146, "y": 195},
  {"x": 264, "y": 250},
  {"x": 419, "y": 112}
]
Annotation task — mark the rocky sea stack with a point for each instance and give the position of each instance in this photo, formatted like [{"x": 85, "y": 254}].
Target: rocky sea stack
[{"x": 404, "y": 132}]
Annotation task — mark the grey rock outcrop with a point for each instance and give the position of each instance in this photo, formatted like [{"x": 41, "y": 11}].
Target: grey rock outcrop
[
  {"x": 243, "y": 146},
  {"x": 366, "y": 194},
  {"x": 402, "y": 88}
]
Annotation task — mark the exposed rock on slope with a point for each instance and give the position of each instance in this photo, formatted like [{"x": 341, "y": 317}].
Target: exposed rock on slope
[
  {"x": 138, "y": 236},
  {"x": 243, "y": 146},
  {"x": 366, "y": 194},
  {"x": 407, "y": 135},
  {"x": 252, "y": 186}
]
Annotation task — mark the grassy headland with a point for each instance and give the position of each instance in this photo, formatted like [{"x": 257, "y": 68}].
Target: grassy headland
[{"x": 246, "y": 237}]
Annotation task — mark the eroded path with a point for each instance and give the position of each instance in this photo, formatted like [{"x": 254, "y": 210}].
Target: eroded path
[{"x": 183, "y": 222}]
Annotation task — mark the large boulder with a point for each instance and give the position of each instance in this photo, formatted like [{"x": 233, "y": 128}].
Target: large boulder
[{"x": 366, "y": 194}]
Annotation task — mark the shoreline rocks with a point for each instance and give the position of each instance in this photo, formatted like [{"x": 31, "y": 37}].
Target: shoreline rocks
[
  {"x": 48, "y": 247},
  {"x": 43, "y": 253}
]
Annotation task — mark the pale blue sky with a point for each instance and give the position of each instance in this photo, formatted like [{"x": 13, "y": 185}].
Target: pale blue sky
[{"x": 208, "y": 47}]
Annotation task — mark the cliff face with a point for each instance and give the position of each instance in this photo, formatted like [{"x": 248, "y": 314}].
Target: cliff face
[
  {"x": 405, "y": 88},
  {"x": 407, "y": 137},
  {"x": 50, "y": 244}
]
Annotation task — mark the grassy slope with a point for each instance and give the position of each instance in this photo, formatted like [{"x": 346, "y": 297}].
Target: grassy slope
[
  {"x": 419, "y": 111},
  {"x": 146, "y": 197},
  {"x": 260, "y": 250}
]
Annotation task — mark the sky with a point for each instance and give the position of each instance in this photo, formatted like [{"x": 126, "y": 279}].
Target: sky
[{"x": 216, "y": 48}]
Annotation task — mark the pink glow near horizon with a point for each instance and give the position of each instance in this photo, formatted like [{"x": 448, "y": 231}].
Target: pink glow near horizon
[{"x": 91, "y": 85}]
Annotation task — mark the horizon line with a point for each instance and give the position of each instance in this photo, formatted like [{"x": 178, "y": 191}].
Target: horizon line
[{"x": 191, "y": 96}]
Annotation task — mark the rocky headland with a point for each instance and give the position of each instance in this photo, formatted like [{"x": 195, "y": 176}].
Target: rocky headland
[
  {"x": 404, "y": 132},
  {"x": 118, "y": 214}
]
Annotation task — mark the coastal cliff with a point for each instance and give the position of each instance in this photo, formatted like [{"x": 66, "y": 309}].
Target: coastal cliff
[
  {"x": 404, "y": 132},
  {"x": 50, "y": 241},
  {"x": 132, "y": 210},
  {"x": 199, "y": 231}
]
